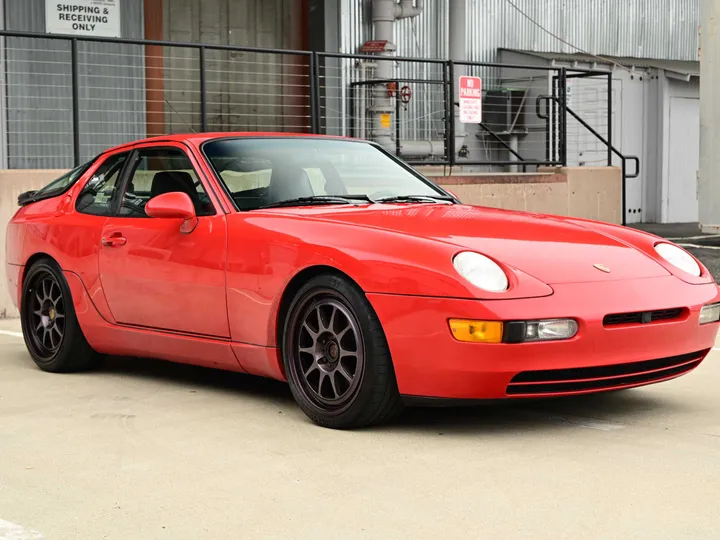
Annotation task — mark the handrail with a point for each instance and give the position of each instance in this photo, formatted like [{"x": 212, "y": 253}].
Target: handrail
[
  {"x": 603, "y": 140},
  {"x": 502, "y": 142}
]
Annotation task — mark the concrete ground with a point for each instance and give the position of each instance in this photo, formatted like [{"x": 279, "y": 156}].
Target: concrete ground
[{"x": 149, "y": 450}]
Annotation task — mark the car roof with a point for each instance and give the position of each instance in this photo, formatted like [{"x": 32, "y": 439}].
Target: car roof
[{"x": 199, "y": 138}]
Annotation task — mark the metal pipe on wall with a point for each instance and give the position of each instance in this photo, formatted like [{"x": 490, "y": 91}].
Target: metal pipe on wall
[{"x": 384, "y": 15}]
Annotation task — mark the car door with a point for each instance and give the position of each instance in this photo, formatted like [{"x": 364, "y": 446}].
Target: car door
[
  {"x": 94, "y": 202},
  {"x": 154, "y": 275}
]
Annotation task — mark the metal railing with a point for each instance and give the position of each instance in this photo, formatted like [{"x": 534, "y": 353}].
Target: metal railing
[
  {"x": 606, "y": 141},
  {"x": 67, "y": 98}
]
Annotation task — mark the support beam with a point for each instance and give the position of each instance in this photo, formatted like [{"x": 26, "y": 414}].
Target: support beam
[
  {"x": 708, "y": 184},
  {"x": 154, "y": 70}
]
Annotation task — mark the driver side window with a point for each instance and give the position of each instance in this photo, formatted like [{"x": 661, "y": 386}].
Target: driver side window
[
  {"x": 163, "y": 170},
  {"x": 97, "y": 195}
]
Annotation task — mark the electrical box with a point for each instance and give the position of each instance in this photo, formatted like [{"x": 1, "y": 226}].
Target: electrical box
[{"x": 504, "y": 111}]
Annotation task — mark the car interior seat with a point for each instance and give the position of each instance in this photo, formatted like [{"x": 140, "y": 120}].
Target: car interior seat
[
  {"x": 288, "y": 182},
  {"x": 173, "y": 181}
]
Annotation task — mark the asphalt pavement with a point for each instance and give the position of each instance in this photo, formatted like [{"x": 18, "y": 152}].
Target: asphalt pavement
[
  {"x": 143, "y": 449},
  {"x": 706, "y": 248},
  {"x": 710, "y": 257}
]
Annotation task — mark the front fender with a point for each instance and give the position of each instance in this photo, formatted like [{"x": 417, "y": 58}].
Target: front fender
[{"x": 265, "y": 252}]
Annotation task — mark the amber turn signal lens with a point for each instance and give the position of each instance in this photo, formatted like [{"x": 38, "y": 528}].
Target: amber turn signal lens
[{"x": 477, "y": 331}]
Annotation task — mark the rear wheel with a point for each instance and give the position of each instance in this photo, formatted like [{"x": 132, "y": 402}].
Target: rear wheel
[
  {"x": 50, "y": 328},
  {"x": 336, "y": 357}
]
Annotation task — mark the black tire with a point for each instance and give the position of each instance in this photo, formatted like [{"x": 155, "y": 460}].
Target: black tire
[
  {"x": 50, "y": 327},
  {"x": 338, "y": 397}
]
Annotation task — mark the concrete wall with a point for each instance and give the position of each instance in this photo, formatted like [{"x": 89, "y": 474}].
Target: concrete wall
[
  {"x": 588, "y": 192},
  {"x": 12, "y": 184},
  {"x": 585, "y": 192}
]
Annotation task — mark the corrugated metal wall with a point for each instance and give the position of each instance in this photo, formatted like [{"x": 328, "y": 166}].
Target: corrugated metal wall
[
  {"x": 661, "y": 29},
  {"x": 39, "y": 93}
]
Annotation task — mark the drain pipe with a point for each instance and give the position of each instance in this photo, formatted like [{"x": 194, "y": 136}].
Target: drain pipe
[
  {"x": 384, "y": 15},
  {"x": 383, "y": 18}
]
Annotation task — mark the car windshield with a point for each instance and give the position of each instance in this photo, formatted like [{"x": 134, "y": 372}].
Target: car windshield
[{"x": 267, "y": 172}]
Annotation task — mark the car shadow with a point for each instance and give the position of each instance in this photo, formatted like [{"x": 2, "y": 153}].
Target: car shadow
[
  {"x": 607, "y": 411},
  {"x": 198, "y": 378},
  {"x": 603, "y": 411}
]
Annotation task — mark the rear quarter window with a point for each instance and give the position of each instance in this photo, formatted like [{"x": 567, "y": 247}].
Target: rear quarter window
[{"x": 59, "y": 185}]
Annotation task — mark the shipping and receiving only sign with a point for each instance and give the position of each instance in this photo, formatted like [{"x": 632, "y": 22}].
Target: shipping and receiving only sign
[
  {"x": 83, "y": 17},
  {"x": 470, "y": 100}
]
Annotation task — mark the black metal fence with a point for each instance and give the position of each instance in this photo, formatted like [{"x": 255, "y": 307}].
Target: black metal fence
[{"x": 67, "y": 98}]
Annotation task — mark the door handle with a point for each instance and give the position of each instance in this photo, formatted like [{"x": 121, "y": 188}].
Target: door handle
[{"x": 114, "y": 240}]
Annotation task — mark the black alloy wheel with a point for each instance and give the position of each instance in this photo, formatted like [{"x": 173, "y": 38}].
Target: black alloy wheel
[
  {"x": 50, "y": 327},
  {"x": 336, "y": 357},
  {"x": 45, "y": 315},
  {"x": 330, "y": 357}
]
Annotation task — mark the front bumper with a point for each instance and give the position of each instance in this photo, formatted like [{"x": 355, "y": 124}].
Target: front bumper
[{"x": 429, "y": 362}]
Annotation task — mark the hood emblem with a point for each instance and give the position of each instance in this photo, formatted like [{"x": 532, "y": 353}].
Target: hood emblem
[{"x": 602, "y": 268}]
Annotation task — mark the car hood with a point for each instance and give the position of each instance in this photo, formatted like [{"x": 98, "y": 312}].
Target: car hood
[{"x": 549, "y": 248}]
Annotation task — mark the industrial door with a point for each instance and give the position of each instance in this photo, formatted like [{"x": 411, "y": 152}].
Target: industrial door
[{"x": 684, "y": 161}]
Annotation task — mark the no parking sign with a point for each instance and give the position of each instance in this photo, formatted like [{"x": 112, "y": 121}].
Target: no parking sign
[{"x": 470, "y": 100}]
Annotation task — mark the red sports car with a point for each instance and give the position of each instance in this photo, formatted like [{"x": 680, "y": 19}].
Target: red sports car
[{"x": 330, "y": 264}]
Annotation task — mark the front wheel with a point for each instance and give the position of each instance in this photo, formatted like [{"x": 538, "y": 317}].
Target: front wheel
[
  {"x": 336, "y": 356},
  {"x": 50, "y": 328}
]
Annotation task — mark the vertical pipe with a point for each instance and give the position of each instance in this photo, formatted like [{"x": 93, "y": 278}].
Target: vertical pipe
[
  {"x": 383, "y": 17},
  {"x": 513, "y": 157},
  {"x": 75, "y": 101},
  {"x": 203, "y": 91},
  {"x": 609, "y": 121},
  {"x": 563, "y": 116}
]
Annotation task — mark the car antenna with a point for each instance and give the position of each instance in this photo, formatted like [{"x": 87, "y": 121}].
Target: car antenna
[{"x": 180, "y": 115}]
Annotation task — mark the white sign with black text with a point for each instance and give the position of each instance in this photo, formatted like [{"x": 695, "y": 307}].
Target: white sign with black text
[
  {"x": 470, "y": 100},
  {"x": 83, "y": 17}
]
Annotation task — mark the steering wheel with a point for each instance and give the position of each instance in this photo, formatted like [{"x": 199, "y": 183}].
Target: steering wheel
[{"x": 130, "y": 205}]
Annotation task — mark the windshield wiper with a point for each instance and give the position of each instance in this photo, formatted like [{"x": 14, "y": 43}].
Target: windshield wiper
[
  {"x": 416, "y": 198},
  {"x": 318, "y": 199}
]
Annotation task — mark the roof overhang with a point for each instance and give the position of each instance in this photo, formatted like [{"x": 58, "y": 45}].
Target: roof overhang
[{"x": 682, "y": 70}]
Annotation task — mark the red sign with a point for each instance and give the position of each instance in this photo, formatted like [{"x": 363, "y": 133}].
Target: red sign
[
  {"x": 374, "y": 46},
  {"x": 470, "y": 100}
]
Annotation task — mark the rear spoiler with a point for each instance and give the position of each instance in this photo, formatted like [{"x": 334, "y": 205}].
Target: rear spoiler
[{"x": 26, "y": 198}]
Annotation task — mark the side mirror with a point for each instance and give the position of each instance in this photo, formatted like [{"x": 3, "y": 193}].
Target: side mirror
[{"x": 173, "y": 205}]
